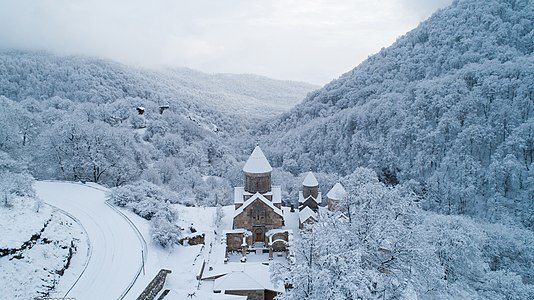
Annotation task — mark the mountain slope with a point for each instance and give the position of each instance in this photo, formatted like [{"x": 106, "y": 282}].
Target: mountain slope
[
  {"x": 82, "y": 79},
  {"x": 448, "y": 106},
  {"x": 75, "y": 118}
]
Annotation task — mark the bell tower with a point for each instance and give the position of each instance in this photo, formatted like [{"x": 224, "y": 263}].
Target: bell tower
[{"x": 257, "y": 172}]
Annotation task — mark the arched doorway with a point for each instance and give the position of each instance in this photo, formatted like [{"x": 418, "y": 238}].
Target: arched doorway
[{"x": 259, "y": 235}]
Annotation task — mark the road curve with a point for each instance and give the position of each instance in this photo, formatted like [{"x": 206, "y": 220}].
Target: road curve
[{"x": 115, "y": 246}]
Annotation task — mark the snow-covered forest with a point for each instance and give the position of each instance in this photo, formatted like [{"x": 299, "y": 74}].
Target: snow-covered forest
[
  {"x": 433, "y": 138},
  {"x": 447, "y": 109},
  {"x": 75, "y": 118}
]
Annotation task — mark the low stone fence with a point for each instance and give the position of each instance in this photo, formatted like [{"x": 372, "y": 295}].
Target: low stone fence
[{"x": 155, "y": 286}]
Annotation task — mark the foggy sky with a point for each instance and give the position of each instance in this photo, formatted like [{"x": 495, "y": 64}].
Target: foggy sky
[{"x": 306, "y": 40}]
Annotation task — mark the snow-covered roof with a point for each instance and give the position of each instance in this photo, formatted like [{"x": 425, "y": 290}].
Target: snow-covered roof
[
  {"x": 199, "y": 294},
  {"x": 307, "y": 213},
  {"x": 257, "y": 162},
  {"x": 277, "y": 194},
  {"x": 250, "y": 277},
  {"x": 238, "y": 230},
  {"x": 318, "y": 200},
  {"x": 310, "y": 180},
  {"x": 338, "y": 192},
  {"x": 238, "y": 194},
  {"x": 278, "y": 230},
  {"x": 259, "y": 197}
]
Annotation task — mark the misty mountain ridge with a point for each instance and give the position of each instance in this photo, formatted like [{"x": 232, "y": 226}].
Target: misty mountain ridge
[{"x": 84, "y": 79}]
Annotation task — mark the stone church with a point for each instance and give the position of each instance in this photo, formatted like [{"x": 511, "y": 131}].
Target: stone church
[{"x": 258, "y": 218}]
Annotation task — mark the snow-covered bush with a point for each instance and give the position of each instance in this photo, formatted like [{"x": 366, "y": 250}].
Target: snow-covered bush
[
  {"x": 152, "y": 203},
  {"x": 149, "y": 207},
  {"x": 138, "y": 191},
  {"x": 163, "y": 231}
]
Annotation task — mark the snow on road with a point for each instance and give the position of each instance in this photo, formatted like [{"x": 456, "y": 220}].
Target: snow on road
[{"x": 115, "y": 256}]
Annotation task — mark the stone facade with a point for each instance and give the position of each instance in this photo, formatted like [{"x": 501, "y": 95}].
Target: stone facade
[
  {"x": 257, "y": 209},
  {"x": 279, "y": 245},
  {"x": 310, "y": 203},
  {"x": 234, "y": 240},
  {"x": 332, "y": 204},
  {"x": 310, "y": 191},
  {"x": 255, "y": 294},
  {"x": 258, "y": 183},
  {"x": 192, "y": 239},
  {"x": 258, "y": 215},
  {"x": 251, "y": 295}
]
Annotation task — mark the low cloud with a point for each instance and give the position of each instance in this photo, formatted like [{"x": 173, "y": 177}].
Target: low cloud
[{"x": 308, "y": 40}]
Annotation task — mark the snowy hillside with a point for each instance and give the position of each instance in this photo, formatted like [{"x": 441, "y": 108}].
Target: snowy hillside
[
  {"x": 41, "y": 76},
  {"x": 76, "y": 118},
  {"x": 251, "y": 97},
  {"x": 449, "y": 105}
]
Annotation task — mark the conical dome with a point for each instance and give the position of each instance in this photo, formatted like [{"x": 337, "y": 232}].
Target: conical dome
[
  {"x": 310, "y": 180},
  {"x": 338, "y": 192},
  {"x": 257, "y": 163}
]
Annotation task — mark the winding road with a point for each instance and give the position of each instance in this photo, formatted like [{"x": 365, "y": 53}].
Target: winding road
[{"x": 114, "y": 259}]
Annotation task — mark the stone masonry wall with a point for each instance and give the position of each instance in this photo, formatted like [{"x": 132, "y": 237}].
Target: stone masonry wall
[
  {"x": 251, "y": 295},
  {"x": 258, "y": 213}
]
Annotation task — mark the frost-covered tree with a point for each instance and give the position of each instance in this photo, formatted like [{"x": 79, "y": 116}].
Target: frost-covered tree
[{"x": 391, "y": 249}]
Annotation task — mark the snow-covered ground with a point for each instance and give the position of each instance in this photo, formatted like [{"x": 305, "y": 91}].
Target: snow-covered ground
[
  {"x": 115, "y": 254},
  {"x": 186, "y": 261},
  {"x": 114, "y": 263},
  {"x": 44, "y": 237}
]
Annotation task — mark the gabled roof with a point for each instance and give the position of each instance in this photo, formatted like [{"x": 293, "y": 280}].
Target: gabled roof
[
  {"x": 307, "y": 213},
  {"x": 257, "y": 162},
  {"x": 258, "y": 197},
  {"x": 239, "y": 192},
  {"x": 318, "y": 200},
  {"x": 199, "y": 294},
  {"x": 338, "y": 192},
  {"x": 275, "y": 193},
  {"x": 310, "y": 180},
  {"x": 250, "y": 277}
]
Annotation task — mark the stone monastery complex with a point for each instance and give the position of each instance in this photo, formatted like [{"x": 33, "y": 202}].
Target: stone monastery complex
[
  {"x": 259, "y": 224},
  {"x": 263, "y": 230}
]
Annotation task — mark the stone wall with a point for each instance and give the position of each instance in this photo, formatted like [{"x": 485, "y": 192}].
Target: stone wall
[
  {"x": 192, "y": 240},
  {"x": 155, "y": 286},
  {"x": 258, "y": 183},
  {"x": 258, "y": 214},
  {"x": 251, "y": 295},
  {"x": 310, "y": 203},
  {"x": 332, "y": 204},
  {"x": 281, "y": 236},
  {"x": 280, "y": 246},
  {"x": 234, "y": 241},
  {"x": 307, "y": 191}
]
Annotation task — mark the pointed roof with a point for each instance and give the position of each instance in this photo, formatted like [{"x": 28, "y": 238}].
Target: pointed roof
[
  {"x": 307, "y": 213},
  {"x": 257, "y": 162},
  {"x": 310, "y": 180},
  {"x": 317, "y": 200},
  {"x": 261, "y": 198},
  {"x": 251, "y": 276},
  {"x": 338, "y": 192}
]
